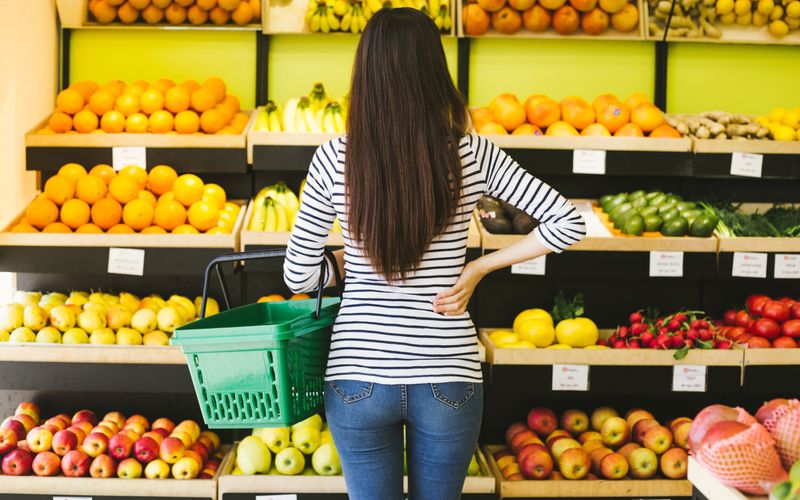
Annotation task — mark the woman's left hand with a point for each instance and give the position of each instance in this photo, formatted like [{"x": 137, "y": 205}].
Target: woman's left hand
[{"x": 453, "y": 302}]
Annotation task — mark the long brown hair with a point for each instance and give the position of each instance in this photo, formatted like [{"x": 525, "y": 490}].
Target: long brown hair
[{"x": 406, "y": 118}]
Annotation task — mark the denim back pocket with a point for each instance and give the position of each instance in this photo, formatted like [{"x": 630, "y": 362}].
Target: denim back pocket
[
  {"x": 453, "y": 394},
  {"x": 350, "y": 391}
]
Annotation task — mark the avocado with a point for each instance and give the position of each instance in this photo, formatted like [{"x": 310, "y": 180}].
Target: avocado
[
  {"x": 498, "y": 225},
  {"x": 523, "y": 223}
]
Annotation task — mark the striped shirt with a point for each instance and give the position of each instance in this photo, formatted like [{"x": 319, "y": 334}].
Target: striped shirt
[{"x": 389, "y": 334}]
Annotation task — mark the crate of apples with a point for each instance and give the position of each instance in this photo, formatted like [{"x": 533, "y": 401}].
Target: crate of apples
[
  {"x": 86, "y": 446},
  {"x": 600, "y": 445},
  {"x": 764, "y": 322}
]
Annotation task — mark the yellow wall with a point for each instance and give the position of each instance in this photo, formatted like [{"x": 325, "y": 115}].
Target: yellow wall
[{"x": 131, "y": 55}]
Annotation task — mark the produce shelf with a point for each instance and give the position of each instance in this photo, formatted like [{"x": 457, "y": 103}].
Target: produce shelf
[
  {"x": 48, "y": 488},
  {"x": 243, "y": 487},
  {"x": 736, "y": 35},
  {"x": 707, "y": 487},
  {"x": 624, "y": 488},
  {"x": 253, "y": 240},
  {"x": 88, "y": 354},
  {"x": 283, "y": 151},
  {"x": 771, "y": 371},
  {"x": 201, "y": 153},
  {"x": 713, "y": 157}
]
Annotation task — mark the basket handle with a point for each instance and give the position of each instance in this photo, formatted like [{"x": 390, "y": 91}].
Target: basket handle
[{"x": 213, "y": 266}]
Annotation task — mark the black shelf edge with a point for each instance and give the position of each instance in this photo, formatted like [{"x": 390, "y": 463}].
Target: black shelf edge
[
  {"x": 629, "y": 163},
  {"x": 282, "y": 158},
  {"x": 774, "y": 166}
]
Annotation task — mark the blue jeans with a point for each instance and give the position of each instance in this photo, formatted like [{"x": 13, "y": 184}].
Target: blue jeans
[{"x": 442, "y": 425}]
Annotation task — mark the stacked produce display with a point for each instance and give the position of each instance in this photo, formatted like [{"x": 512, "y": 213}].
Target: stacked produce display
[
  {"x": 541, "y": 115},
  {"x": 325, "y": 16},
  {"x": 682, "y": 331},
  {"x": 602, "y": 444},
  {"x": 315, "y": 112},
  {"x": 129, "y": 201},
  {"x": 780, "y": 221},
  {"x": 97, "y": 318},
  {"x": 764, "y": 322},
  {"x": 193, "y": 12},
  {"x": 85, "y": 446},
  {"x": 160, "y": 107},
  {"x": 275, "y": 208},
  {"x": 656, "y": 212}
]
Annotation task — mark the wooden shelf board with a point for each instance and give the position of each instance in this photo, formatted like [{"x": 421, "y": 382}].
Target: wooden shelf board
[
  {"x": 82, "y": 353},
  {"x": 645, "y": 144},
  {"x": 275, "y": 238},
  {"x": 737, "y": 35},
  {"x": 711, "y": 487},
  {"x": 771, "y": 357},
  {"x": 760, "y": 244},
  {"x": 765, "y": 147}
]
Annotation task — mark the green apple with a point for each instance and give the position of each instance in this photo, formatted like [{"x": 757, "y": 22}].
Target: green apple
[
  {"x": 34, "y": 317},
  {"x": 325, "y": 437},
  {"x": 314, "y": 421},
  {"x": 22, "y": 334},
  {"x": 63, "y": 318},
  {"x": 48, "y": 335},
  {"x": 129, "y": 300},
  {"x": 306, "y": 439},
  {"x": 11, "y": 316},
  {"x": 290, "y": 462},
  {"x": 97, "y": 297},
  {"x": 308, "y": 471},
  {"x": 110, "y": 298},
  {"x": 273, "y": 472},
  {"x": 54, "y": 297},
  {"x": 103, "y": 336},
  {"x": 276, "y": 438},
  {"x": 128, "y": 336},
  {"x": 75, "y": 336},
  {"x": 474, "y": 469},
  {"x": 253, "y": 456},
  {"x": 4, "y": 335},
  {"x": 326, "y": 461}
]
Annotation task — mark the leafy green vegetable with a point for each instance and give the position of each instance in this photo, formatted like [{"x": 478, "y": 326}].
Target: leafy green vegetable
[{"x": 564, "y": 308}]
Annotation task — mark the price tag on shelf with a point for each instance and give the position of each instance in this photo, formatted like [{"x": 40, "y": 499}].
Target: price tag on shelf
[
  {"x": 126, "y": 261},
  {"x": 746, "y": 164},
  {"x": 533, "y": 267},
  {"x": 122, "y": 156},
  {"x": 689, "y": 378},
  {"x": 276, "y": 497},
  {"x": 589, "y": 161},
  {"x": 787, "y": 266},
  {"x": 570, "y": 377},
  {"x": 666, "y": 264},
  {"x": 72, "y": 498},
  {"x": 749, "y": 265}
]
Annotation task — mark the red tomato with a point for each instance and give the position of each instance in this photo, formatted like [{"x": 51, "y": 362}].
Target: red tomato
[
  {"x": 796, "y": 311},
  {"x": 742, "y": 318},
  {"x": 730, "y": 317},
  {"x": 742, "y": 338},
  {"x": 751, "y": 299},
  {"x": 757, "y": 305},
  {"x": 758, "y": 342},
  {"x": 787, "y": 300},
  {"x": 784, "y": 343},
  {"x": 776, "y": 310},
  {"x": 767, "y": 328},
  {"x": 734, "y": 331},
  {"x": 791, "y": 328}
]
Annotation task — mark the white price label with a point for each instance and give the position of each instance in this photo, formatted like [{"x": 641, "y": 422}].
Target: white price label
[
  {"x": 787, "y": 266},
  {"x": 588, "y": 161},
  {"x": 746, "y": 164},
  {"x": 122, "y": 157},
  {"x": 749, "y": 265},
  {"x": 126, "y": 261},
  {"x": 689, "y": 378},
  {"x": 276, "y": 497},
  {"x": 534, "y": 267},
  {"x": 570, "y": 377},
  {"x": 72, "y": 498},
  {"x": 666, "y": 264}
]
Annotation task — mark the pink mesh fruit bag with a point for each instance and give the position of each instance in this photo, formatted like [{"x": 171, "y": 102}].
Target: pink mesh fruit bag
[
  {"x": 747, "y": 461},
  {"x": 784, "y": 425}
]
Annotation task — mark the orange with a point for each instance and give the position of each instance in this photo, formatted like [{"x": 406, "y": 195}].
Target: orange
[
  {"x": 177, "y": 99},
  {"x": 153, "y": 230},
  {"x": 113, "y": 122},
  {"x": 272, "y": 298},
  {"x": 59, "y": 188},
  {"x": 492, "y": 128},
  {"x": 114, "y": 88},
  {"x": 203, "y": 99},
  {"x": 665, "y": 130},
  {"x": 243, "y": 14},
  {"x": 45, "y": 131},
  {"x": 86, "y": 88},
  {"x": 635, "y": 100},
  {"x": 57, "y": 227},
  {"x": 206, "y": 4},
  {"x": 138, "y": 173},
  {"x": 648, "y": 117},
  {"x": 604, "y": 100},
  {"x": 300, "y": 296},
  {"x": 190, "y": 85},
  {"x": 562, "y": 129},
  {"x": 596, "y": 129},
  {"x": 212, "y": 121},
  {"x": 152, "y": 14},
  {"x": 127, "y": 104},
  {"x": 106, "y": 213},
  {"x": 136, "y": 123},
  {"x": 161, "y": 122},
  {"x": 217, "y": 86},
  {"x": 164, "y": 83},
  {"x": 137, "y": 88},
  {"x": 542, "y": 111},
  {"x": 227, "y": 219},
  {"x": 240, "y": 119},
  {"x": 226, "y": 112},
  {"x": 91, "y": 188},
  {"x": 196, "y": 15},
  {"x": 169, "y": 215},
  {"x": 613, "y": 116},
  {"x": 579, "y": 115},
  {"x": 41, "y": 212},
  {"x": 75, "y": 213},
  {"x": 232, "y": 207},
  {"x": 151, "y": 101},
  {"x": 168, "y": 196},
  {"x": 101, "y": 102},
  {"x": 527, "y": 129},
  {"x": 103, "y": 11},
  {"x": 219, "y": 16},
  {"x": 89, "y": 228},
  {"x": 138, "y": 214},
  {"x": 24, "y": 227},
  {"x": 104, "y": 172},
  {"x": 215, "y": 192},
  {"x": 187, "y": 122},
  {"x": 161, "y": 178},
  {"x": 629, "y": 130},
  {"x": 185, "y": 229},
  {"x": 84, "y": 121},
  {"x": 232, "y": 102},
  {"x": 148, "y": 197},
  {"x": 507, "y": 111},
  {"x": 123, "y": 188},
  {"x": 203, "y": 215},
  {"x": 228, "y": 5},
  {"x": 188, "y": 188},
  {"x": 176, "y": 14},
  {"x": 72, "y": 171},
  {"x": 60, "y": 122},
  {"x": 121, "y": 229},
  {"x": 70, "y": 101},
  {"x": 217, "y": 230}
]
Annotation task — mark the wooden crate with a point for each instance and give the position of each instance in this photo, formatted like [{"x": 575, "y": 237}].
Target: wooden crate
[
  {"x": 758, "y": 244},
  {"x": 624, "y": 488},
  {"x": 711, "y": 487},
  {"x": 261, "y": 138},
  {"x": 644, "y": 144},
  {"x": 86, "y": 354}
]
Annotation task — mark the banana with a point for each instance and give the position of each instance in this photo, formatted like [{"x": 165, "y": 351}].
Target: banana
[
  {"x": 317, "y": 98},
  {"x": 291, "y": 199},
  {"x": 337, "y": 226},
  {"x": 362, "y": 22},
  {"x": 365, "y": 10},
  {"x": 338, "y": 120},
  {"x": 421, "y": 5},
  {"x": 341, "y": 7},
  {"x": 272, "y": 215},
  {"x": 439, "y": 22},
  {"x": 259, "y": 215},
  {"x": 289, "y": 113},
  {"x": 301, "y": 121},
  {"x": 316, "y": 22},
  {"x": 346, "y": 20},
  {"x": 275, "y": 121},
  {"x": 328, "y": 125},
  {"x": 433, "y": 8},
  {"x": 311, "y": 121},
  {"x": 262, "y": 123},
  {"x": 374, "y": 5},
  {"x": 333, "y": 21},
  {"x": 302, "y": 188},
  {"x": 324, "y": 26}
]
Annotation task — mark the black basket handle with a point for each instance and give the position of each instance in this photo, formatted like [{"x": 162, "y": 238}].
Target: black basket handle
[{"x": 264, "y": 254}]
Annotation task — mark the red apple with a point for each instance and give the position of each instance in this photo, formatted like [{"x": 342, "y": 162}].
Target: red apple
[
  {"x": 681, "y": 435},
  {"x": 574, "y": 421},
  {"x": 139, "y": 420},
  {"x": 562, "y": 445},
  {"x": 155, "y": 436},
  {"x": 528, "y": 448},
  {"x": 129, "y": 469},
  {"x": 723, "y": 430},
  {"x": 643, "y": 463},
  {"x": 641, "y": 428},
  {"x": 511, "y": 431},
  {"x": 542, "y": 421},
  {"x": 674, "y": 463},
  {"x": 634, "y": 416},
  {"x": 596, "y": 456},
  {"x": 17, "y": 463},
  {"x": 75, "y": 463},
  {"x": 83, "y": 425},
  {"x": 79, "y": 433},
  {"x": 537, "y": 464},
  {"x": 145, "y": 450},
  {"x": 555, "y": 435},
  {"x": 103, "y": 466},
  {"x": 46, "y": 463},
  {"x": 510, "y": 469},
  {"x": 162, "y": 431},
  {"x": 171, "y": 450},
  {"x": 503, "y": 458},
  {"x": 194, "y": 456},
  {"x": 615, "y": 432},
  {"x": 102, "y": 429},
  {"x": 111, "y": 426},
  {"x": 64, "y": 441},
  {"x": 95, "y": 444},
  {"x": 677, "y": 422},
  {"x": 26, "y": 420},
  {"x": 120, "y": 446},
  {"x": 29, "y": 408},
  {"x": 600, "y": 415},
  {"x": 588, "y": 436},
  {"x": 201, "y": 450},
  {"x": 57, "y": 422},
  {"x": 614, "y": 466},
  {"x": 85, "y": 416},
  {"x": 39, "y": 439},
  {"x": 163, "y": 423},
  {"x": 8, "y": 440},
  {"x": 626, "y": 450},
  {"x": 593, "y": 444},
  {"x": 116, "y": 417},
  {"x": 705, "y": 419},
  {"x": 658, "y": 439},
  {"x": 516, "y": 443},
  {"x": 574, "y": 463}
]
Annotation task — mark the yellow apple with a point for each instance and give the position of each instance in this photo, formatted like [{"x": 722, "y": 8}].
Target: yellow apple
[
  {"x": 48, "y": 335},
  {"x": 75, "y": 336},
  {"x": 156, "y": 337},
  {"x": 128, "y": 336},
  {"x": 144, "y": 321},
  {"x": 103, "y": 336}
]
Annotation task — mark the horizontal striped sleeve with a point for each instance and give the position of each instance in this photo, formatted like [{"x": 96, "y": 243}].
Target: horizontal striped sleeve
[
  {"x": 560, "y": 224},
  {"x": 305, "y": 251}
]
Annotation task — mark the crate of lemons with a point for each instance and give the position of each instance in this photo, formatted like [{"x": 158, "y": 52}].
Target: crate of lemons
[{"x": 97, "y": 318}]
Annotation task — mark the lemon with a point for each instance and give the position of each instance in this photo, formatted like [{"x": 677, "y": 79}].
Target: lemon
[
  {"x": 559, "y": 346},
  {"x": 776, "y": 14},
  {"x": 793, "y": 9},
  {"x": 762, "y": 120},
  {"x": 725, "y": 6},
  {"x": 531, "y": 314},
  {"x": 776, "y": 115},
  {"x": 760, "y": 20},
  {"x": 791, "y": 118},
  {"x": 764, "y": 7},
  {"x": 784, "y": 133},
  {"x": 745, "y": 19},
  {"x": 578, "y": 332},
  {"x": 520, "y": 344},
  {"x": 503, "y": 336},
  {"x": 728, "y": 18},
  {"x": 742, "y": 7},
  {"x": 537, "y": 331},
  {"x": 792, "y": 22}
]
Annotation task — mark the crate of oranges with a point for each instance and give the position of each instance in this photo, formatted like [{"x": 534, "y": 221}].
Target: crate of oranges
[{"x": 102, "y": 207}]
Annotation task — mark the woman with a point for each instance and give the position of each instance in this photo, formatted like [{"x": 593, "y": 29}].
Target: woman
[{"x": 404, "y": 184}]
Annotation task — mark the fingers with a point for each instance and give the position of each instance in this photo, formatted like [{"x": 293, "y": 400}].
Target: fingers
[
  {"x": 451, "y": 298},
  {"x": 448, "y": 293}
]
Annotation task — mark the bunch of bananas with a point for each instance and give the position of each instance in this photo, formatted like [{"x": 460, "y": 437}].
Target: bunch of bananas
[
  {"x": 315, "y": 112},
  {"x": 274, "y": 209},
  {"x": 325, "y": 16}
]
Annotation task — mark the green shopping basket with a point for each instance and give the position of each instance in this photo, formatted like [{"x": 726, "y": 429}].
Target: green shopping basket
[{"x": 259, "y": 365}]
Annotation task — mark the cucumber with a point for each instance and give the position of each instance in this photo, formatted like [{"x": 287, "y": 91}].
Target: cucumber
[
  {"x": 637, "y": 194},
  {"x": 652, "y": 194}
]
